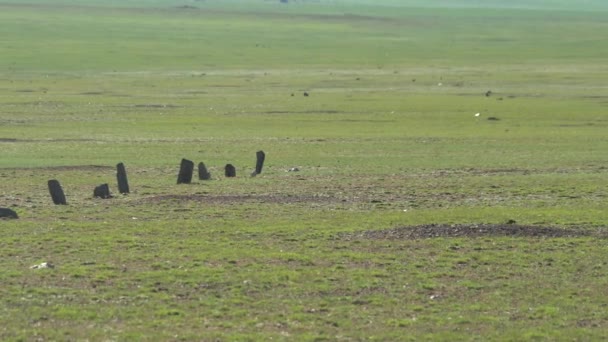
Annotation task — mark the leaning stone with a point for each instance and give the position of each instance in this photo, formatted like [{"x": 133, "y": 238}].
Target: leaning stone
[{"x": 56, "y": 192}]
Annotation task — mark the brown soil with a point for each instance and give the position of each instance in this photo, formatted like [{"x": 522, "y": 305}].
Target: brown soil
[
  {"x": 227, "y": 199},
  {"x": 473, "y": 230}
]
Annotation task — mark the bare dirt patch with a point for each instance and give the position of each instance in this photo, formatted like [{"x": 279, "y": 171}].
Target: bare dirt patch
[
  {"x": 155, "y": 105},
  {"x": 329, "y": 111},
  {"x": 472, "y": 230},
  {"x": 64, "y": 168},
  {"x": 227, "y": 199},
  {"x": 15, "y": 140},
  {"x": 93, "y": 93}
]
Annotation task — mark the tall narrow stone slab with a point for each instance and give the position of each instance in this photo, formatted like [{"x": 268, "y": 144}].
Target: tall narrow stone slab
[
  {"x": 102, "y": 191},
  {"x": 230, "y": 170},
  {"x": 260, "y": 156},
  {"x": 203, "y": 173},
  {"x": 56, "y": 192},
  {"x": 185, "y": 172},
  {"x": 121, "y": 177}
]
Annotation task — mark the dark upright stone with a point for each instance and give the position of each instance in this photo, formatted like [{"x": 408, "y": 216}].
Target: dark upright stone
[
  {"x": 260, "y": 161},
  {"x": 230, "y": 170},
  {"x": 185, "y": 172},
  {"x": 57, "y": 192},
  {"x": 102, "y": 191},
  {"x": 203, "y": 174},
  {"x": 121, "y": 176},
  {"x": 8, "y": 213}
]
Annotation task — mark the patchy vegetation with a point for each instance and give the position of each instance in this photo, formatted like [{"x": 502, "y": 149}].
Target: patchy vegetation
[{"x": 399, "y": 199}]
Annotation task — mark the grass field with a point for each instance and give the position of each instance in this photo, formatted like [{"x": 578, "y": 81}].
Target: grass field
[{"x": 394, "y": 228}]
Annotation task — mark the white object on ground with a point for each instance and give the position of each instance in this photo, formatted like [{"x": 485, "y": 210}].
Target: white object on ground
[{"x": 43, "y": 265}]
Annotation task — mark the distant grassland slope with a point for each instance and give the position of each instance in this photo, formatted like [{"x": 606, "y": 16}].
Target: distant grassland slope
[
  {"x": 579, "y": 5},
  {"x": 180, "y": 35}
]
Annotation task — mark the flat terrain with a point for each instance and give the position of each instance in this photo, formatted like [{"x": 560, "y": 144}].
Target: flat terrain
[{"x": 451, "y": 183}]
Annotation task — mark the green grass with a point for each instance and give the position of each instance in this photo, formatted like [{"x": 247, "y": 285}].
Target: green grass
[{"x": 388, "y": 137}]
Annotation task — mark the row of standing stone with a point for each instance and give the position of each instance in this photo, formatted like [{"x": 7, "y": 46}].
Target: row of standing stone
[
  {"x": 101, "y": 191},
  {"x": 183, "y": 177},
  {"x": 187, "y": 169}
]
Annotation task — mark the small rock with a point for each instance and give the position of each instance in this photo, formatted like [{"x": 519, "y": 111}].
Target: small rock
[{"x": 8, "y": 213}]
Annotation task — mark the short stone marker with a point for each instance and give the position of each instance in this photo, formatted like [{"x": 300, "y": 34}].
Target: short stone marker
[
  {"x": 185, "y": 172},
  {"x": 8, "y": 213},
  {"x": 261, "y": 156},
  {"x": 203, "y": 173},
  {"x": 102, "y": 191},
  {"x": 56, "y": 192},
  {"x": 121, "y": 177},
  {"x": 230, "y": 170}
]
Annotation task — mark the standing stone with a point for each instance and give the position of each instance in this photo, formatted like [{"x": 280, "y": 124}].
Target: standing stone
[
  {"x": 203, "y": 174},
  {"x": 261, "y": 156},
  {"x": 8, "y": 213},
  {"x": 230, "y": 170},
  {"x": 121, "y": 176},
  {"x": 57, "y": 192},
  {"x": 102, "y": 191},
  {"x": 185, "y": 172}
]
